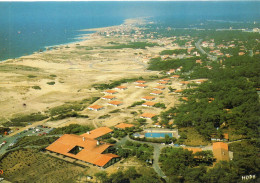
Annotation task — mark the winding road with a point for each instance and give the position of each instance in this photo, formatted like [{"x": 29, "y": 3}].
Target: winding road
[
  {"x": 156, "y": 154},
  {"x": 213, "y": 58}
]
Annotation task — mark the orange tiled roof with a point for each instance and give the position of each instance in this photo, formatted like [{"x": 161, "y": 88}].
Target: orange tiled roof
[
  {"x": 95, "y": 107},
  {"x": 109, "y": 97},
  {"x": 156, "y": 92},
  {"x": 115, "y": 102},
  {"x": 225, "y": 136},
  {"x": 165, "y": 79},
  {"x": 160, "y": 87},
  {"x": 162, "y": 82},
  {"x": 185, "y": 98},
  {"x": 149, "y": 104},
  {"x": 175, "y": 76},
  {"x": 121, "y": 87},
  {"x": 148, "y": 115},
  {"x": 124, "y": 125},
  {"x": 110, "y": 91},
  {"x": 178, "y": 91},
  {"x": 91, "y": 152},
  {"x": 97, "y": 133},
  {"x": 148, "y": 98},
  {"x": 142, "y": 85},
  {"x": 220, "y": 151},
  {"x": 140, "y": 81},
  {"x": 184, "y": 82},
  {"x": 193, "y": 149}
]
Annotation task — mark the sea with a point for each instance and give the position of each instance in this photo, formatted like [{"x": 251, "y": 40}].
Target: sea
[{"x": 26, "y": 27}]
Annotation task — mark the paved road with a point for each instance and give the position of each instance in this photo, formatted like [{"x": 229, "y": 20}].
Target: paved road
[
  {"x": 12, "y": 138},
  {"x": 213, "y": 58},
  {"x": 156, "y": 154}
]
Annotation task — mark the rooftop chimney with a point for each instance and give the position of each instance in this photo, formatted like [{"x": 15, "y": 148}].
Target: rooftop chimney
[{"x": 83, "y": 138}]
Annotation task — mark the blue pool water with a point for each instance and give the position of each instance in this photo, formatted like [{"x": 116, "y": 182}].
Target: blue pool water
[{"x": 157, "y": 135}]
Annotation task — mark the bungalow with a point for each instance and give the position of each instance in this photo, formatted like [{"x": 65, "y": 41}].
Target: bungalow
[
  {"x": 85, "y": 148},
  {"x": 175, "y": 76},
  {"x": 141, "y": 86},
  {"x": 148, "y": 115},
  {"x": 171, "y": 71},
  {"x": 159, "y": 87},
  {"x": 241, "y": 53},
  {"x": 184, "y": 82},
  {"x": 193, "y": 149},
  {"x": 220, "y": 151},
  {"x": 95, "y": 107},
  {"x": 162, "y": 82},
  {"x": 121, "y": 87},
  {"x": 178, "y": 91},
  {"x": 110, "y": 91},
  {"x": 115, "y": 103},
  {"x": 148, "y": 104},
  {"x": 185, "y": 98},
  {"x": 140, "y": 82},
  {"x": 165, "y": 79},
  {"x": 124, "y": 126},
  {"x": 198, "y": 62},
  {"x": 157, "y": 125},
  {"x": 148, "y": 98},
  {"x": 200, "y": 81},
  {"x": 109, "y": 97},
  {"x": 156, "y": 92}
]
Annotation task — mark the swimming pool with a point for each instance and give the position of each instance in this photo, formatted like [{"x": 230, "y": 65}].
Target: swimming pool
[{"x": 157, "y": 134}]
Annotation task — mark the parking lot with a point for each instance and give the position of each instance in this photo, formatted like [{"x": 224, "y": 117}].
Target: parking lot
[{"x": 7, "y": 141}]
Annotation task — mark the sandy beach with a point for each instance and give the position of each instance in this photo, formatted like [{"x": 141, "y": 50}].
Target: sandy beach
[{"x": 74, "y": 68}]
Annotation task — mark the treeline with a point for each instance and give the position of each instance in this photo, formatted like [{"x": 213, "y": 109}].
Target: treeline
[
  {"x": 171, "y": 52},
  {"x": 227, "y": 101},
  {"x": 127, "y": 176},
  {"x": 113, "y": 84},
  {"x": 71, "y": 129},
  {"x": 133, "y": 45},
  {"x": 156, "y": 64},
  {"x": 181, "y": 166}
]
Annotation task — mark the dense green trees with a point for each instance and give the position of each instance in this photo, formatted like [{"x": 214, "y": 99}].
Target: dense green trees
[{"x": 71, "y": 129}]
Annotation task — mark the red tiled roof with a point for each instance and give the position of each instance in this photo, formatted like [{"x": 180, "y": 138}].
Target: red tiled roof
[
  {"x": 156, "y": 92},
  {"x": 160, "y": 87},
  {"x": 193, "y": 149},
  {"x": 115, "y": 103},
  {"x": 91, "y": 152},
  {"x": 110, "y": 91},
  {"x": 148, "y": 104},
  {"x": 142, "y": 85},
  {"x": 124, "y": 125},
  {"x": 140, "y": 81},
  {"x": 220, "y": 151},
  {"x": 185, "y": 98},
  {"x": 165, "y": 79},
  {"x": 109, "y": 97},
  {"x": 178, "y": 91},
  {"x": 184, "y": 82},
  {"x": 175, "y": 76},
  {"x": 148, "y": 115},
  {"x": 97, "y": 132},
  {"x": 148, "y": 98},
  {"x": 95, "y": 107},
  {"x": 162, "y": 82},
  {"x": 121, "y": 87}
]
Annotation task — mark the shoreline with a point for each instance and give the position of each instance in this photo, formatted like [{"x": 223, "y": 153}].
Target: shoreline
[{"x": 79, "y": 38}]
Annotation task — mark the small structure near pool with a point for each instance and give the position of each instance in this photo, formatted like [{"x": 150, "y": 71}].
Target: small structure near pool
[{"x": 157, "y": 133}]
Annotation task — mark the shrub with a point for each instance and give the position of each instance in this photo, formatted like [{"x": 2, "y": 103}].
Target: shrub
[
  {"x": 51, "y": 83},
  {"x": 36, "y": 87}
]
